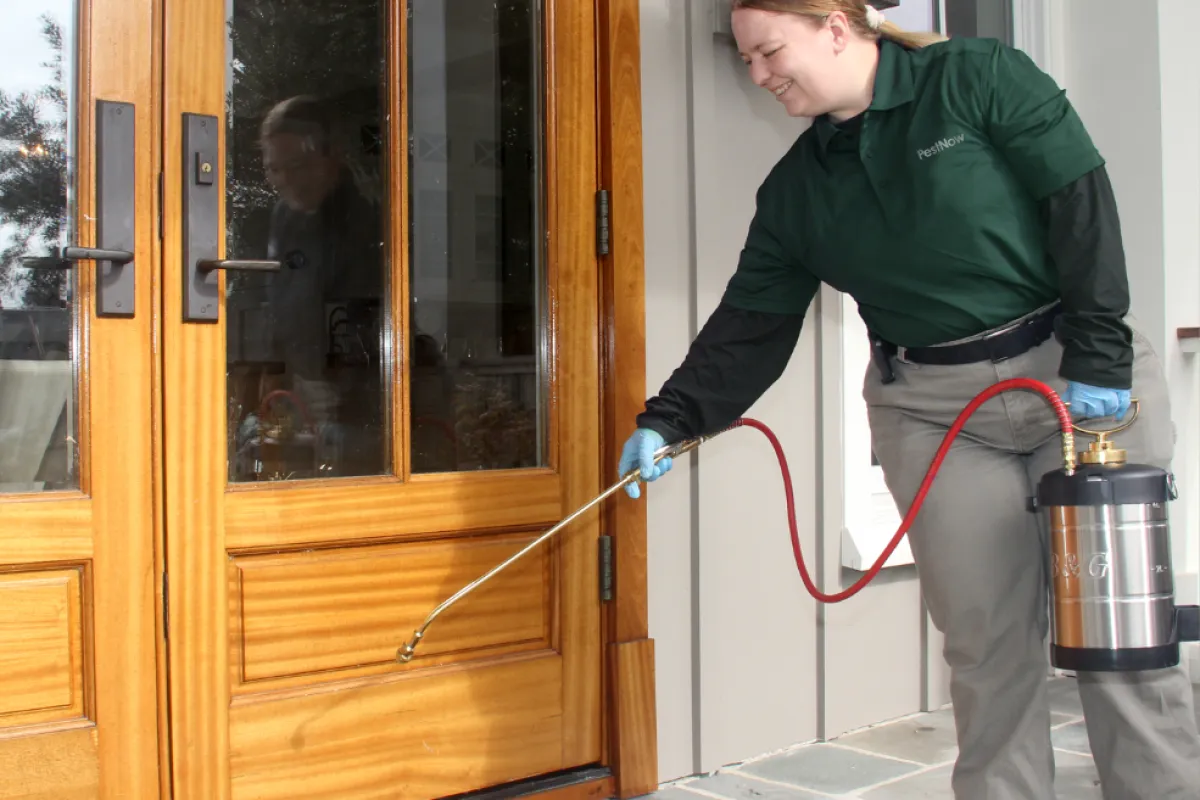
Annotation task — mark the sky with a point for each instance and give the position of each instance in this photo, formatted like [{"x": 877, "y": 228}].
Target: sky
[{"x": 22, "y": 48}]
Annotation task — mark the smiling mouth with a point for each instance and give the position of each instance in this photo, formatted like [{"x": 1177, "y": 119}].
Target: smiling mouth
[{"x": 778, "y": 90}]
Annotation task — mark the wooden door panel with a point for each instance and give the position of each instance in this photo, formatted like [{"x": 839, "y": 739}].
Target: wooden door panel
[
  {"x": 41, "y": 646},
  {"x": 37, "y": 532},
  {"x": 407, "y": 736},
  {"x": 70, "y": 771},
  {"x": 406, "y": 398},
  {"x": 319, "y": 615},
  {"x": 447, "y": 503},
  {"x": 78, "y": 715}
]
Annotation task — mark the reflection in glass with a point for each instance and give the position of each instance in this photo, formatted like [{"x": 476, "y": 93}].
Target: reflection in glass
[
  {"x": 477, "y": 278},
  {"x": 38, "y": 403},
  {"x": 306, "y": 186}
]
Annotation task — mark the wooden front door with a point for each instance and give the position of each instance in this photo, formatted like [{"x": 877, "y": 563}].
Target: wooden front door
[
  {"x": 381, "y": 362},
  {"x": 78, "y": 699}
]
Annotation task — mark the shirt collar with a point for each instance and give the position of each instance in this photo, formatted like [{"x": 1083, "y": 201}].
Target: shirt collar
[
  {"x": 893, "y": 87},
  {"x": 893, "y": 77}
]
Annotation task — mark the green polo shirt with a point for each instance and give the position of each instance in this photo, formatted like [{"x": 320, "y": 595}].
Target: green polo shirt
[{"x": 926, "y": 210}]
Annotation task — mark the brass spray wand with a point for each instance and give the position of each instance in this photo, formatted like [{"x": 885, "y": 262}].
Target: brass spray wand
[{"x": 405, "y": 653}]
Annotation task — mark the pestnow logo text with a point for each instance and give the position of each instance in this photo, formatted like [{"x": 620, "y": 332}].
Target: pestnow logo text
[{"x": 940, "y": 145}]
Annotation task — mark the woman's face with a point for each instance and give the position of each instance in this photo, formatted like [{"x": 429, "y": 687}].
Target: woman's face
[{"x": 792, "y": 56}]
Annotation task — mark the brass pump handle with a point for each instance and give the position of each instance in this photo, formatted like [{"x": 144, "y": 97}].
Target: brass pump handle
[{"x": 1102, "y": 435}]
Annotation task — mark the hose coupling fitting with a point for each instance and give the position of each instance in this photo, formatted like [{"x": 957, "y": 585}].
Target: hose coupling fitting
[{"x": 1068, "y": 450}]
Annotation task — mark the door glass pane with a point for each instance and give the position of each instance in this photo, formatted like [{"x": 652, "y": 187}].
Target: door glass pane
[
  {"x": 307, "y": 186},
  {"x": 38, "y": 403},
  {"x": 477, "y": 267}
]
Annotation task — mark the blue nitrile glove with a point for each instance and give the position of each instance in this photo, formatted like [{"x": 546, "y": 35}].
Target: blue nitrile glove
[
  {"x": 1093, "y": 402},
  {"x": 639, "y": 452}
]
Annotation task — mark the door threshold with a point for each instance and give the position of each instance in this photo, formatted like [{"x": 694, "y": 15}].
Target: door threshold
[{"x": 554, "y": 782}]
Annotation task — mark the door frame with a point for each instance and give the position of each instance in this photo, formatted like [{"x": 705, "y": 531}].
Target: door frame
[{"x": 628, "y": 672}]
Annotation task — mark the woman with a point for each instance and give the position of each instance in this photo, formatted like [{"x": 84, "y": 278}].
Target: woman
[{"x": 950, "y": 188}]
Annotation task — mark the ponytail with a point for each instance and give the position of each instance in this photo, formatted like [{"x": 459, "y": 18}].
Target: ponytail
[{"x": 910, "y": 40}]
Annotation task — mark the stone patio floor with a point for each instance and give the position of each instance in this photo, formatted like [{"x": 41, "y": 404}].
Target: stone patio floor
[{"x": 907, "y": 759}]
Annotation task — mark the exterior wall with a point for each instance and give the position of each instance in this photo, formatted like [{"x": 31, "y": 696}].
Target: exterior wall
[
  {"x": 734, "y": 638},
  {"x": 747, "y": 662}
]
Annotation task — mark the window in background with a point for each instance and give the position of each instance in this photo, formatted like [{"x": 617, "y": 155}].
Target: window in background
[{"x": 979, "y": 18}]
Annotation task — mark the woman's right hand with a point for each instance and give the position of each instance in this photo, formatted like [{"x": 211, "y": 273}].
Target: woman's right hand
[{"x": 639, "y": 453}]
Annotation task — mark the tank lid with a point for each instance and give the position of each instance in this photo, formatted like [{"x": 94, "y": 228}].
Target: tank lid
[{"x": 1097, "y": 485}]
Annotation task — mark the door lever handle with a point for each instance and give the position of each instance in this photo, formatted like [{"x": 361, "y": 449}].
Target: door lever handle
[
  {"x": 67, "y": 256},
  {"x": 96, "y": 254},
  {"x": 242, "y": 265}
]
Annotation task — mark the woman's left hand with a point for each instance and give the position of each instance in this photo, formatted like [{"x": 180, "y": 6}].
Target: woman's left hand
[{"x": 1092, "y": 402}]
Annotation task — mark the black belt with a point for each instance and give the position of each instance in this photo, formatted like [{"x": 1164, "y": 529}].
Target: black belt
[{"x": 1007, "y": 342}]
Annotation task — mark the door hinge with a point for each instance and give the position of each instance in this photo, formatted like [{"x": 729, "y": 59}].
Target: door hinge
[
  {"x": 166, "y": 600},
  {"x": 606, "y": 569},
  {"x": 602, "y": 230}
]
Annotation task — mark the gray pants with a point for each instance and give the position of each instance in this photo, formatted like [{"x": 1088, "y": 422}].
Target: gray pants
[{"x": 981, "y": 557}]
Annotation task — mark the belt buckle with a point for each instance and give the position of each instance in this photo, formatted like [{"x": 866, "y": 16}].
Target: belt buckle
[
  {"x": 1014, "y": 327},
  {"x": 1009, "y": 328},
  {"x": 989, "y": 342}
]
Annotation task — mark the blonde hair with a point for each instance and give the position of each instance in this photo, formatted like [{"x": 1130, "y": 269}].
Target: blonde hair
[{"x": 856, "y": 13}]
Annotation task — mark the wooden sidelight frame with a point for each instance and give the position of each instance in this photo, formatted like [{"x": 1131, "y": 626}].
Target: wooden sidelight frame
[
  {"x": 630, "y": 677},
  {"x": 631, "y": 739}
]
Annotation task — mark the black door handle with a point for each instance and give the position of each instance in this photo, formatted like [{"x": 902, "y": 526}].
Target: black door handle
[{"x": 116, "y": 187}]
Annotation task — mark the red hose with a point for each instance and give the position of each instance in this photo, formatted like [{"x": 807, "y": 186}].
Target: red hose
[{"x": 1064, "y": 420}]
